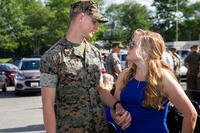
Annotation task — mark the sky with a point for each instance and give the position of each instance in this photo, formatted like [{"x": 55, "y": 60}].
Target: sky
[{"x": 142, "y": 2}]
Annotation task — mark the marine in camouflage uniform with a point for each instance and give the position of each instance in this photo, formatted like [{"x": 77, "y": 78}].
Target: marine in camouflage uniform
[
  {"x": 112, "y": 62},
  {"x": 177, "y": 63},
  {"x": 192, "y": 63},
  {"x": 74, "y": 70}
]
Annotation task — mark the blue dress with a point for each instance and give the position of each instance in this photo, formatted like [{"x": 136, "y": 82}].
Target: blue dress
[{"x": 144, "y": 120}]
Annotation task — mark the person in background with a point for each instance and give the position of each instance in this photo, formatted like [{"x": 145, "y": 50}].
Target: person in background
[
  {"x": 177, "y": 63},
  {"x": 167, "y": 56},
  {"x": 71, "y": 78},
  {"x": 112, "y": 62},
  {"x": 146, "y": 87},
  {"x": 192, "y": 63}
]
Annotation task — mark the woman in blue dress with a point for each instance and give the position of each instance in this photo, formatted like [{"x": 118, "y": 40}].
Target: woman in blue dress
[{"x": 146, "y": 87}]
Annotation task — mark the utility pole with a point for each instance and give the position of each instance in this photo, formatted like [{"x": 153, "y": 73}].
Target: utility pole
[{"x": 177, "y": 20}]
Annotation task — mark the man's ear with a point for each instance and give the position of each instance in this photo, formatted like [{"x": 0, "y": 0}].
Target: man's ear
[{"x": 81, "y": 16}]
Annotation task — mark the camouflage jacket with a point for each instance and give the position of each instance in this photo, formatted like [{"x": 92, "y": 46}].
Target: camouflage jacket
[
  {"x": 192, "y": 61},
  {"x": 111, "y": 62},
  {"x": 177, "y": 64},
  {"x": 75, "y": 72}
]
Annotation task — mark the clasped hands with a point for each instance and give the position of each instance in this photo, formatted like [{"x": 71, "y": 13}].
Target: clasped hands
[{"x": 121, "y": 116}]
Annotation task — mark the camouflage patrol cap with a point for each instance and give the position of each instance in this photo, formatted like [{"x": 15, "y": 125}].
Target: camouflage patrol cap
[
  {"x": 117, "y": 43},
  {"x": 89, "y": 7}
]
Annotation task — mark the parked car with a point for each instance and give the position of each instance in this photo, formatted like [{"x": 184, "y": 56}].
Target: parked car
[
  {"x": 122, "y": 58},
  {"x": 3, "y": 84},
  {"x": 27, "y": 78},
  {"x": 9, "y": 70},
  {"x": 183, "y": 53}
]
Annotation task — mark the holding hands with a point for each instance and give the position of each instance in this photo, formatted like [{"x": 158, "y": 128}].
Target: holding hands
[
  {"x": 119, "y": 114},
  {"x": 122, "y": 117}
]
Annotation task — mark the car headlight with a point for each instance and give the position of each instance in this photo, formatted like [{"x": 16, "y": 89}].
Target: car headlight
[{"x": 19, "y": 76}]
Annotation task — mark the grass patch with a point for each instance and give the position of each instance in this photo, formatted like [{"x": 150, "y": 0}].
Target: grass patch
[{"x": 3, "y": 60}]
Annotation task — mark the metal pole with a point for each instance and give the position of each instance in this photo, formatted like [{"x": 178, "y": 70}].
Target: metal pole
[{"x": 176, "y": 20}]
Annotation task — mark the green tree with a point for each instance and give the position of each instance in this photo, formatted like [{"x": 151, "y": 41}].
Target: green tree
[
  {"x": 190, "y": 28},
  {"x": 166, "y": 15},
  {"x": 12, "y": 23},
  {"x": 127, "y": 17},
  {"x": 23, "y": 23}
]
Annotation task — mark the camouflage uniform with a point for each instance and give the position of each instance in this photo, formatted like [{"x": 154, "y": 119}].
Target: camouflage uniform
[
  {"x": 177, "y": 65},
  {"x": 192, "y": 61},
  {"x": 75, "y": 70},
  {"x": 112, "y": 61}
]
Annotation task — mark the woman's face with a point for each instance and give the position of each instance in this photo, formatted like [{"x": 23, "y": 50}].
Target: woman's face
[
  {"x": 89, "y": 26},
  {"x": 133, "y": 50}
]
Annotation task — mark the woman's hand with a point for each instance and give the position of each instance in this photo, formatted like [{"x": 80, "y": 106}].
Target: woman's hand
[{"x": 121, "y": 117}]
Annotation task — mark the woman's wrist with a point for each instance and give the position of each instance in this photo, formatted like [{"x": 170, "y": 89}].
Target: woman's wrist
[{"x": 115, "y": 104}]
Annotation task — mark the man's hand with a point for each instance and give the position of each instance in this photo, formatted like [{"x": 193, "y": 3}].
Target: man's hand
[{"x": 122, "y": 117}]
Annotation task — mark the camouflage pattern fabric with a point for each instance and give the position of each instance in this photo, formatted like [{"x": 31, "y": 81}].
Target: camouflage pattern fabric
[
  {"x": 192, "y": 61},
  {"x": 89, "y": 7},
  {"x": 78, "y": 105},
  {"x": 112, "y": 61},
  {"x": 177, "y": 65}
]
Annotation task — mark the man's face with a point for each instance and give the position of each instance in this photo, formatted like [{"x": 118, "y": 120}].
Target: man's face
[
  {"x": 118, "y": 49},
  {"x": 89, "y": 26}
]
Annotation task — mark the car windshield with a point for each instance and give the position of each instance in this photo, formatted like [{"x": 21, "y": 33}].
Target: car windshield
[
  {"x": 123, "y": 58},
  {"x": 183, "y": 53},
  {"x": 29, "y": 65}
]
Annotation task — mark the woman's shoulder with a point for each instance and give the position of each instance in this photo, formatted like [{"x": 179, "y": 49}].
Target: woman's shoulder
[
  {"x": 167, "y": 74},
  {"x": 169, "y": 81}
]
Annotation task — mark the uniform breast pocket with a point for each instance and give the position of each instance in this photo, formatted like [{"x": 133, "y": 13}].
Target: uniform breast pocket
[{"x": 71, "y": 70}]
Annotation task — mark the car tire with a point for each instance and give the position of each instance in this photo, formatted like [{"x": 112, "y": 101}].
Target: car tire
[
  {"x": 4, "y": 89},
  {"x": 18, "y": 93}
]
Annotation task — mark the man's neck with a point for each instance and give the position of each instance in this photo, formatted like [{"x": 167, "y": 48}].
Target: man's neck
[{"x": 74, "y": 36}]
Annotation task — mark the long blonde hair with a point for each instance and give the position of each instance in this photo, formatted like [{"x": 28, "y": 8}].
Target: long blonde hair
[{"x": 152, "y": 47}]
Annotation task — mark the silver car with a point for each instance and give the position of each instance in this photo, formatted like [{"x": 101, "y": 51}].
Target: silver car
[
  {"x": 27, "y": 79},
  {"x": 3, "y": 83}
]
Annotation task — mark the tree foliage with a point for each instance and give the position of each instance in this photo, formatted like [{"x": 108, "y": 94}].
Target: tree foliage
[
  {"x": 170, "y": 12},
  {"x": 29, "y": 27},
  {"x": 126, "y": 18}
]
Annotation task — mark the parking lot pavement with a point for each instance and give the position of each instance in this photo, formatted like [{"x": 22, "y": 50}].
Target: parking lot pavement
[{"x": 21, "y": 114}]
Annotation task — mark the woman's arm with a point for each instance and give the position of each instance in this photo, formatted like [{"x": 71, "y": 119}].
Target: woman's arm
[
  {"x": 180, "y": 100},
  {"x": 119, "y": 114}
]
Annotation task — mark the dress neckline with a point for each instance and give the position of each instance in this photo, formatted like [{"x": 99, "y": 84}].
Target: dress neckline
[{"x": 138, "y": 80}]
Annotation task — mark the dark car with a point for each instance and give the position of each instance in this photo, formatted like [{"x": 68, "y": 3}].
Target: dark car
[
  {"x": 9, "y": 70},
  {"x": 3, "y": 84}
]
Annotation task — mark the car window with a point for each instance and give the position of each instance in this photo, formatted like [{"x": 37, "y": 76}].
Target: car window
[
  {"x": 183, "y": 53},
  {"x": 12, "y": 67},
  {"x": 29, "y": 65},
  {"x": 3, "y": 67},
  {"x": 123, "y": 57},
  {"x": 8, "y": 67}
]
